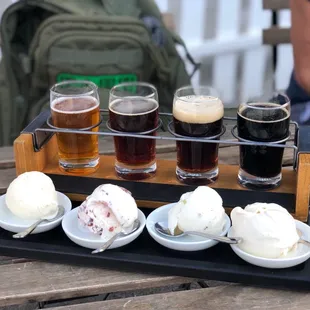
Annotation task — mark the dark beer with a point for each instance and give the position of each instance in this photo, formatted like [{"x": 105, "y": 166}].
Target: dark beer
[
  {"x": 76, "y": 113},
  {"x": 266, "y": 122},
  {"x": 134, "y": 116},
  {"x": 201, "y": 120}
]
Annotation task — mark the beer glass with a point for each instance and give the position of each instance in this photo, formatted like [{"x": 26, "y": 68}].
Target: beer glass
[
  {"x": 198, "y": 113},
  {"x": 133, "y": 108},
  {"x": 265, "y": 119},
  {"x": 75, "y": 105}
]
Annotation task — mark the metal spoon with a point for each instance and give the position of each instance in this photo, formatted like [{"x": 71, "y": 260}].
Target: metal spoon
[
  {"x": 30, "y": 229},
  {"x": 161, "y": 228},
  {"x": 107, "y": 244},
  {"x": 301, "y": 239}
]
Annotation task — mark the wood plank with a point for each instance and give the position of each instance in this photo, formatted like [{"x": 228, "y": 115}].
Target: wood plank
[
  {"x": 166, "y": 174},
  {"x": 276, "y": 35},
  {"x": 5, "y": 260},
  {"x": 226, "y": 156},
  {"x": 303, "y": 183},
  {"x": 232, "y": 297},
  {"x": 106, "y": 146},
  {"x": 276, "y": 4},
  {"x": 38, "y": 281},
  {"x": 6, "y": 157},
  {"x": 6, "y": 177}
]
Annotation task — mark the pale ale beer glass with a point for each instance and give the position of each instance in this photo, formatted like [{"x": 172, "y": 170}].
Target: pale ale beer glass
[
  {"x": 133, "y": 108},
  {"x": 75, "y": 105},
  {"x": 266, "y": 119},
  {"x": 198, "y": 113}
]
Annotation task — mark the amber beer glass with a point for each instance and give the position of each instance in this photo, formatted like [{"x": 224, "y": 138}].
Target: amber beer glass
[
  {"x": 75, "y": 105},
  {"x": 133, "y": 108},
  {"x": 264, "y": 119},
  {"x": 197, "y": 113}
]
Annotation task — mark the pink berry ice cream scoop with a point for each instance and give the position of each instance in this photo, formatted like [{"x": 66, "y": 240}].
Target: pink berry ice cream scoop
[{"x": 108, "y": 210}]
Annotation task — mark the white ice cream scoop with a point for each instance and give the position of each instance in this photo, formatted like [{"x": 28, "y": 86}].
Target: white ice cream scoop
[
  {"x": 201, "y": 211},
  {"x": 267, "y": 230},
  {"x": 32, "y": 196}
]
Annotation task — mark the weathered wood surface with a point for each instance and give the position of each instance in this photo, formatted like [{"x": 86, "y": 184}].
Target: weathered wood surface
[
  {"x": 6, "y": 177},
  {"x": 228, "y": 297},
  {"x": 6, "y": 157},
  {"x": 276, "y": 4},
  {"x": 37, "y": 281}
]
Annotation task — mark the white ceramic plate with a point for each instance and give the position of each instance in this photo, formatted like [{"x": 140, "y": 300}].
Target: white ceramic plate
[
  {"x": 10, "y": 222},
  {"x": 89, "y": 240},
  {"x": 185, "y": 243},
  {"x": 300, "y": 255}
]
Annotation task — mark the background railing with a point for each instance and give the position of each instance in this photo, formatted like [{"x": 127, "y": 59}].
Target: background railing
[{"x": 226, "y": 36}]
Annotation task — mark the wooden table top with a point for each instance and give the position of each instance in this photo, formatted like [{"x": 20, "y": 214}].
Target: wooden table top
[{"x": 28, "y": 282}]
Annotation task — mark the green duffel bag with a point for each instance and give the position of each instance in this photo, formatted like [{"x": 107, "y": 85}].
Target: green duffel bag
[{"x": 105, "y": 41}]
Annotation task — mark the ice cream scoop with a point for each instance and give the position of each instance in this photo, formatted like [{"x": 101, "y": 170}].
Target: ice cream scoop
[
  {"x": 109, "y": 210},
  {"x": 201, "y": 210},
  {"x": 32, "y": 196},
  {"x": 267, "y": 230}
]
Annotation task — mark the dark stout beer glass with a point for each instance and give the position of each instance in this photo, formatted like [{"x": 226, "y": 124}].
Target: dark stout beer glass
[
  {"x": 133, "y": 108},
  {"x": 75, "y": 105},
  {"x": 263, "y": 121},
  {"x": 197, "y": 113}
]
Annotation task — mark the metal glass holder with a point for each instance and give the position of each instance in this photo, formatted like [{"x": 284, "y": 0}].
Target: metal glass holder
[{"x": 237, "y": 141}]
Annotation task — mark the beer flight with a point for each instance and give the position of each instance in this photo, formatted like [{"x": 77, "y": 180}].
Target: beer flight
[{"x": 198, "y": 112}]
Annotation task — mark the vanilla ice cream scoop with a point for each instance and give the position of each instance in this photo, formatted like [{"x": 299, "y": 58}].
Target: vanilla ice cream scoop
[
  {"x": 201, "y": 210},
  {"x": 108, "y": 210},
  {"x": 32, "y": 196},
  {"x": 267, "y": 229}
]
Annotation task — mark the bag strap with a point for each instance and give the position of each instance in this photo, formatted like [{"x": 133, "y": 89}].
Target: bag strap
[{"x": 178, "y": 40}]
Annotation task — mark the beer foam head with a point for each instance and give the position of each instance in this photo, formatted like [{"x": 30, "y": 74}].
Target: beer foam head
[
  {"x": 198, "y": 109},
  {"x": 74, "y": 105}
]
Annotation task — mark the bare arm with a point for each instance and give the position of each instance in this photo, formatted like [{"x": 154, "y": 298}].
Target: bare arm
[{"x": 300, "y": 37}]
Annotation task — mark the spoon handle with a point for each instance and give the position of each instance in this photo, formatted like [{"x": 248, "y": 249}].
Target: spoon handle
[
  {"x": 303, "y": 241},
  {"x": 107, "y": 244},
  {"x": 217, "y": 238},
  {"x": 28, "y": 230}
]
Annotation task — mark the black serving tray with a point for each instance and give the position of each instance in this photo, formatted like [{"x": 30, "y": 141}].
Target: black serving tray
[{"x": 146, "y": 255}]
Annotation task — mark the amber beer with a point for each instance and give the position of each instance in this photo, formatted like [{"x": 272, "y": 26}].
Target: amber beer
[
  {"x": 134, "y": 156},
  {"x": 197, "y": 117},
  {"x": 77, "y": 152}
]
